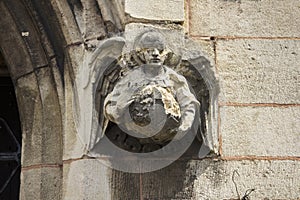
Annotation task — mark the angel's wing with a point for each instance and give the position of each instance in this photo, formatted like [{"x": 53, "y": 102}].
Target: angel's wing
[
  {"x": 199, "y": 77},
  {"x": 105, "y": 72},
  {"x": 106, "y": 84}
]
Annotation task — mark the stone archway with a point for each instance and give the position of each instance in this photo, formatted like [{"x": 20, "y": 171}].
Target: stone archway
[{"x": 31, "y": 60}]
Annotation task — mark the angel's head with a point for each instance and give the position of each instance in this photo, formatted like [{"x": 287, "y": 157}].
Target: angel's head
[{"x": 152, "y": 45}]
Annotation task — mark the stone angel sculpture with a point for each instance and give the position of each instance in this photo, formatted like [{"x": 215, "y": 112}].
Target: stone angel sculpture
[
  {"x": 146, "y": 98},
  {"x": 150, "y": 82}
]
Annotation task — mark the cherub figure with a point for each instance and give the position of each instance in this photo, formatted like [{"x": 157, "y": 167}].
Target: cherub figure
[{"x": 152, "y": 100}]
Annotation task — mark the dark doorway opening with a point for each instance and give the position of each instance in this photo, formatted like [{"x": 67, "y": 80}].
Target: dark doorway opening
[{"x": 10, "y": 142}]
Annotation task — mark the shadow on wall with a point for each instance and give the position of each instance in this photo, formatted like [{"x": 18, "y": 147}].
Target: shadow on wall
[{"x": 175, "y": 181}]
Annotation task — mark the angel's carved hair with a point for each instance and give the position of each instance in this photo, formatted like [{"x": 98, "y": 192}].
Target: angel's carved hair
[{"x": 150, "y": 39}]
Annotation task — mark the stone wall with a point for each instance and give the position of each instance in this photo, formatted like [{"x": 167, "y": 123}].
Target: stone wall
[
  {"x": 253, "y": 47},
  {"x": 256, "y": 53}
]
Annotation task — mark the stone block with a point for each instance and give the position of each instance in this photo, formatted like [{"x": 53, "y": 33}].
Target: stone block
[
  {"x": 245, "y": 18},
  {"x": 259, "y": 71},
  {"x": 52, "y": 117},
  {"x": 172, "y": 182},
  {"x": 40, "y": 115},
  {"x": 87, "y": 179},
  {"x": 196, "y": 47},
  {"x": 73, "y": 146},
  {"x": 41, "y": 183},
  {"x": 125, "y": 186},
  {"x": 67, "y": 21},
  {"x": 270, "y": 179},
  {"x": 30, "y": 36},
  {"x": 156, "y": 10},
  {"x": 75, "y": 55},
  {"x": 29, "y": 104},
  {"x": 17, "y": 59},
  {"x": 90, "y": 179},
  {"x": 93, "y": 25},
  {"x": 260, "y": 131},
  {"x": 174, "y": 35},
  {"x": 59, "y": 83}
]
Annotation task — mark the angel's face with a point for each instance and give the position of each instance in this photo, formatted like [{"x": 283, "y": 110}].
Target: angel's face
[
  {"x": 152, "y": 45},
  {"x": 154, "y": 56}
]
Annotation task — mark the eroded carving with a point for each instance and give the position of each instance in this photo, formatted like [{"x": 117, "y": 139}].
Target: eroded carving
[
  {"x": 143, "y": 98},
  {"x": 158, "y": 99},
  {"x": 98, "y": 18}
]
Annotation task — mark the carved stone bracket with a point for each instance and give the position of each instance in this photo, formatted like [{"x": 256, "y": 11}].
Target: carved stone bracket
[{"x": 144, "y": 97}]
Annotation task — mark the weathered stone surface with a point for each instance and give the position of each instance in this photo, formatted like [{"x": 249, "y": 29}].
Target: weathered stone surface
[
  {"x": 73, "y": 146},
  {"x": 86, "y": 179},
  {"x": 75, "y": 58},
  {"x": 27, "y": 29},
  {"x": 259, "y": 71},
  {"x": 59, "y": 83},
  {"x": 125, "y": 186},
  {"x": 271, "y": 180},
  {"x": 195, "y": 47},
  {"x": 93, "y": 24},
  {"x": 40, "y": 117},
  {"x": 89, "y": 19},
  {"x": 156, "y": 10},
  {"x": 260, "y": 131},
  {"x": 175, "y": 181},
  {"x": 245, "y": 18},
  {"x": 41, "y": 183},
  {"x": 174, "y": 35},
  {"x": 18, "y": 59},
  {"x": 113, "y": 14},
  {"x": 29, "y": 102},
  {"x": 91, "y": 180},
  {"x": 67, "y": 21},
  {"x": 52, "y": 131}
]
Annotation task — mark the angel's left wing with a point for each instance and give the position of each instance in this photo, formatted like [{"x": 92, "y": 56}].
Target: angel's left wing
[
  {"x": 198, "y": 75},
  {"x": 100, "y": 72}
]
